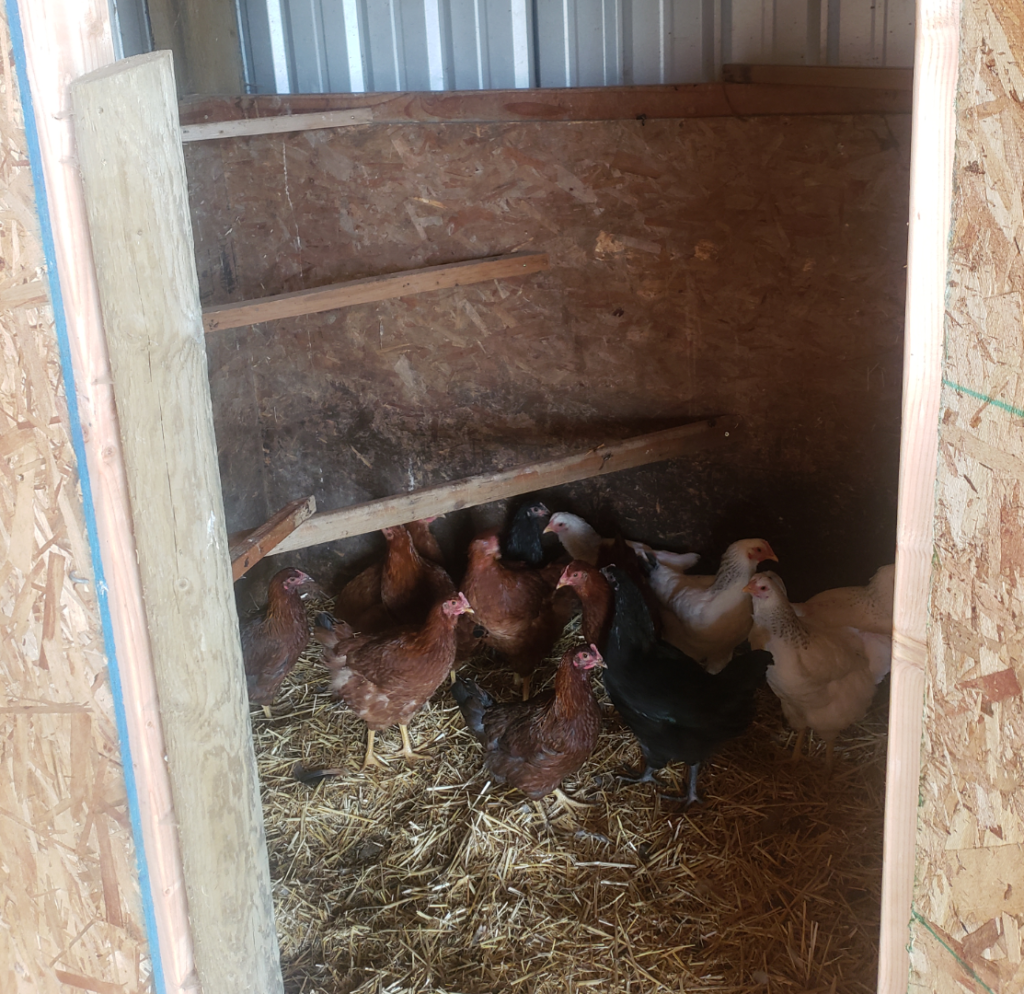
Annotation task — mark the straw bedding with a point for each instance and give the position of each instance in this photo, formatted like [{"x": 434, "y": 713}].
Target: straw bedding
[{"x": 431, "y": 879}]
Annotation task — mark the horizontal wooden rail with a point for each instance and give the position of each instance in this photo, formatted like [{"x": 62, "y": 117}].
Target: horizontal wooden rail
[
  {"x": 857, "y": 77},
  {"x": 372, "y": 289},
  {"x": 594, "y": 103},
  {"x": 253, "y": 546},
  {"x": 208, "y": 131},
  {"x": 637, "y": 451}
]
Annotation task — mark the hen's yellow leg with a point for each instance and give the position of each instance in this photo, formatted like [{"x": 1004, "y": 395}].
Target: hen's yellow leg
[
  {"x": 798, "y": 747},
  {"x": 371, "y": 758},
  {"x": 407, "y": 751}
]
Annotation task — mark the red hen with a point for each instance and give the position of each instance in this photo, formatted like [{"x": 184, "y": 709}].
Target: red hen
[
  {"x": 536, "y": 744},
  {"x": 273, "y": 640},
  {"x": 387, "y": 678},
  {"x": 515, "y": 604}
]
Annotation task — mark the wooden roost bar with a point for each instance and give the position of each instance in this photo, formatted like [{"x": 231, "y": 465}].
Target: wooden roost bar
[{"x": 729, "y": 253}]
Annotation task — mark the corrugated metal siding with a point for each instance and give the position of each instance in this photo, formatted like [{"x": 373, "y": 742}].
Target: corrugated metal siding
[{"x": 355, "y": 46}]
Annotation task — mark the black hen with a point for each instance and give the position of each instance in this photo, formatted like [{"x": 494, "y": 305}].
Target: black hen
[
  {"x": 675, "y": 708},
  {"x": 525, "y": 540}
]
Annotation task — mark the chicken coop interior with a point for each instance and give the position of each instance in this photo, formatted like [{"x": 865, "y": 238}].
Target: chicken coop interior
[
  {"x": 730, "y": 281},
  {"x": 695, "y": 266},
  {"x": 362, "y": 265}
]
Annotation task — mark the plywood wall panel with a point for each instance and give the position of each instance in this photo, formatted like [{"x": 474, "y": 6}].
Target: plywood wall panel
[
  {"x": 697, "y": 267},
  {"x": 971, "y": 830},
  {"x": 69, "y": 890}
]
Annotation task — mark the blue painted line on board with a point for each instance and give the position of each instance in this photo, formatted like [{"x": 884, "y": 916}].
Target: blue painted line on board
[{"x": 78, "y": 444}]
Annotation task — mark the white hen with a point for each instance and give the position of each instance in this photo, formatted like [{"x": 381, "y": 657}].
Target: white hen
[
  {"x": 824, "y": 677},
  {"x": 868, "y": 608},
  {"x": 580, "y": 539},
  {"x": 710, "y": 615}
]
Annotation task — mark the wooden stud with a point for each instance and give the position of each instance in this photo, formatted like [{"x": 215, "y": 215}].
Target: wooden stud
[
  {"x": 63, "y": 40},
  {"x": 130, "y": 156},
  {"x": 596, "y": 103},
  {"x": 260, "y": 542},
  {"x": 864, "y": 77},
  {"x": 372, "y": 289},
  {"x": 931, "y": 190},
  {"x": 275, "y": 125},
  {"x": 610, "y": 458},
  {"x": 203, "y": 35}
]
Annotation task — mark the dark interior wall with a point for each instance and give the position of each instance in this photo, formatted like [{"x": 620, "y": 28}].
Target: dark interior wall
[{"x": 698, "y": 266}]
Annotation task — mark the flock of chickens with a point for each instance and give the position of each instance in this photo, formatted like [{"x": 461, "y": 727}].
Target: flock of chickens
[{"x": 682, "y": 656}]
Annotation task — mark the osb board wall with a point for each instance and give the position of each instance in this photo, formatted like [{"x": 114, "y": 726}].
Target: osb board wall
[
  {"x": 69, "y": 890},
  {"x": 697, "y": 267},
  {"x": 969, "y": 898}
]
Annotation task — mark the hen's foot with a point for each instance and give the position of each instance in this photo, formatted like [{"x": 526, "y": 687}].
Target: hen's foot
[
  {"x": 408, "y": 753},
  {"x": 628, "y": 776},
  {"x": 567, "y": 802},
  {"x": 692, "y": 797}
]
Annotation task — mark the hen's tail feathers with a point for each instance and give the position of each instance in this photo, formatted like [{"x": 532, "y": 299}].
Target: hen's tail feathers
[
  {"x": 328, "y": 631},
  {"x": 746, "y": 671},
  {"x": 313, "y": 778},
  {"x": 473, "y": 702},
  {"x": 679, "y": 562}
]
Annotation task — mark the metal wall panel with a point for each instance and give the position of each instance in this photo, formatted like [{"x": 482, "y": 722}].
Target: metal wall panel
[{"x": 354, "y": 46}]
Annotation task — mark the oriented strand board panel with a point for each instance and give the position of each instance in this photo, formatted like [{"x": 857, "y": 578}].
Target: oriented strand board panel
[
  {"x": 696, "y": 267},
  {"x": 129, "y": 151},
  {"x": 69, "y": 889},
  {"x": 970, "y": 873}
]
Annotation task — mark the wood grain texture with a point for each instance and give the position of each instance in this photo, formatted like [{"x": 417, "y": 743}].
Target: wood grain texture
[
  {"x": 274, "y": 125},
  {"x": 70, "y": 889},
  {"x": 613, "y": 457},
  {"x": 203, "y": 35},
  {"x": 63, "y": 40},
  {"x": 965, "y": 934},
  {"x": 372, "y": 289},
  {"x": 597, "y": 103},
  {"x": 262, "y": 541},
  {"x": 696, "y": 267},
  {"x": 931, "y": 189},
  {"x": 129, "y": 152},
  {"x": 865, "y": 77}
]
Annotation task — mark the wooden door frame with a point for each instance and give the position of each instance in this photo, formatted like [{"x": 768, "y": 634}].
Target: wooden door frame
[
  {"x": 63, "y": 40},
  {"x": 936, "y": 59}
]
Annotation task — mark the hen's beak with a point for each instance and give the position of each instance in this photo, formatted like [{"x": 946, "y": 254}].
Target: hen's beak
[
  {"x": 547, "y": 528},
  {"x": 562, "y": 582},
  {"x": 750, "y": 588},
  {"x": 769, "y": 554}
]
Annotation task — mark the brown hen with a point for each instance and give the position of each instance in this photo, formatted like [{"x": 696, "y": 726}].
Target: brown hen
[
  {"x": 387, "y": 678},
  {"x": 273, "y": 640},
  {"x": 517, "y": 605},
  {"x": 595, "y": 596},
  {"x": 360, "y": 602},
  {"x": 534, "y": 745}
]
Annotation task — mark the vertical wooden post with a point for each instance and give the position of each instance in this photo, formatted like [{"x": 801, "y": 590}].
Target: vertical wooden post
[
  {"x": 129, "y": 149},
  {"x": 203, "y": 35},
  {"x": 64, "y": 39},
  {"x": 931, "y": 190}
]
